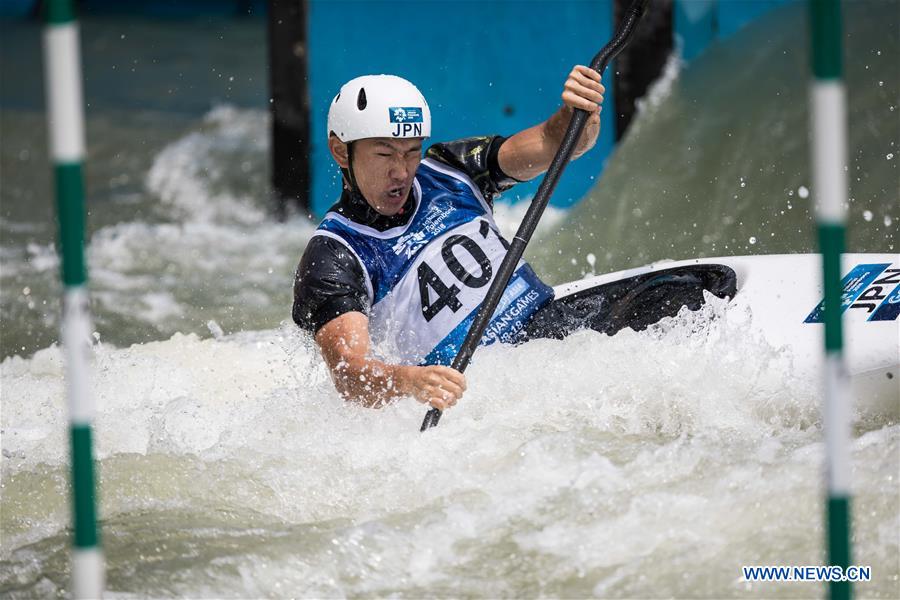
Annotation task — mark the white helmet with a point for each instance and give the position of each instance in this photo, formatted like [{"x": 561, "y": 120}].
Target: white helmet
[{"x": 379, "y": 106}]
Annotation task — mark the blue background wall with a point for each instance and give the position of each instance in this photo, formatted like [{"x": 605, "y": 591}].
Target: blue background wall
[
  {"x": 698, "y": 23},
  {"x": 474, "y": 61}
]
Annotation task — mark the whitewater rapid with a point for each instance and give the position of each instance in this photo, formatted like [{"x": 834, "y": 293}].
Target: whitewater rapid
[{"x": 622, "y": 466}]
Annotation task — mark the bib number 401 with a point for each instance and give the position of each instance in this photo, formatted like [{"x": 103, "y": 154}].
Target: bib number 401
[{"x": 446, "y": 295}]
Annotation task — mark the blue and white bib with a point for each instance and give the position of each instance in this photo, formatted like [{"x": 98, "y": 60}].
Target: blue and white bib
[{"x": 426, "y": 279}]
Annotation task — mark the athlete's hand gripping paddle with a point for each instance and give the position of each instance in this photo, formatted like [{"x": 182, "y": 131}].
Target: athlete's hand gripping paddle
[{"x": 539, "y": 203}]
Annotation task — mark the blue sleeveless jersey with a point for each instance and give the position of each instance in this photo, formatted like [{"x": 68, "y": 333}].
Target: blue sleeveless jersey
[{"x": 426, "y": 279}]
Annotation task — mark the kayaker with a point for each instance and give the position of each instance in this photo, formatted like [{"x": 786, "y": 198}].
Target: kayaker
[{"x": 405, "y": 257}]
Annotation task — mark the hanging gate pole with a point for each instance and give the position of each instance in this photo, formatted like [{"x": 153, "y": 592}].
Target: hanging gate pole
[
  {"x": 829, "y": 159},
  {"x": 62, "y": 70}
]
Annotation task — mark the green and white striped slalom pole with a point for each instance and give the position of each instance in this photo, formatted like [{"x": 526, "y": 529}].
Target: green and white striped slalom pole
[
  {"x": 62, "y": 72},
  {"x": 829, "y": 158}
]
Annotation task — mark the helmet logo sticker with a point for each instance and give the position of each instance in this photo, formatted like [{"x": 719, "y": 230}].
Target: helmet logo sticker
[
  {"x": 405, "y": 114},
  {"x": 408, "y": 119}
]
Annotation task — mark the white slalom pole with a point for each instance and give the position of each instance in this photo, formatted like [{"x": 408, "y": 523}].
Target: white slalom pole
[
  {"x": 829, "y": 159},
  {"x": 66, "y": 125}
]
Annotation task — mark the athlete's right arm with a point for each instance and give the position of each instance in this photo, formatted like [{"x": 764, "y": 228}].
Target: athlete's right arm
[
  {"x": 344, "y": 342},
  {"x": 331, "y": 302}
]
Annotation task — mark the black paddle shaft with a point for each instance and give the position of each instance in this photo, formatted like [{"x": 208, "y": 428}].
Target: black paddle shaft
[{"x": 538, "y": 204}]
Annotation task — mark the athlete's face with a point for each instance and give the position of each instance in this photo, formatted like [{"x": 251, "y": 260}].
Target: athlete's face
[{"x": 384, "y": 169}]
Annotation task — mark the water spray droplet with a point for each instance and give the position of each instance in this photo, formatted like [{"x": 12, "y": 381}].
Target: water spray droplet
[{"x": 215, "y": 329}]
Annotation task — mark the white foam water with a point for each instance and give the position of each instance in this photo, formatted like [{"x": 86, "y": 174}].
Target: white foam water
[{"x": 638, "y": 465}]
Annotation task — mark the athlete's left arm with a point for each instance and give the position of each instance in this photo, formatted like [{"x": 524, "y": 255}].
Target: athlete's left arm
[{"x": 528, "y": 153}]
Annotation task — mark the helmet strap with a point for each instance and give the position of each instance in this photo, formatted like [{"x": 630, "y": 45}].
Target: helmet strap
[{"x": 351, "y": 178}]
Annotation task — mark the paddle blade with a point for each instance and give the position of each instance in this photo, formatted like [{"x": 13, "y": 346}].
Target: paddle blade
[{"x": 431, "y": 419}]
